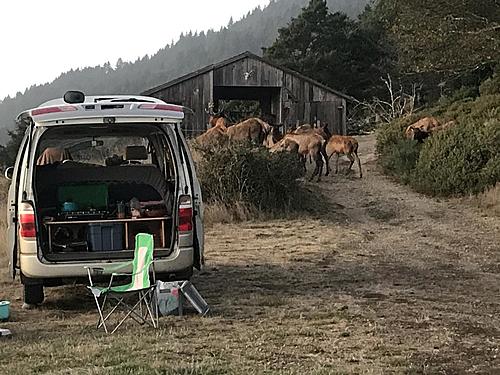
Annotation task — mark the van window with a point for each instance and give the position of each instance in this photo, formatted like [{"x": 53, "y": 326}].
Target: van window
[{"x": 95, "y": 150}]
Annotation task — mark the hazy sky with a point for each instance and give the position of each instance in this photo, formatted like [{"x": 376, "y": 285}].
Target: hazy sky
[{"x": 41, "y": 39}]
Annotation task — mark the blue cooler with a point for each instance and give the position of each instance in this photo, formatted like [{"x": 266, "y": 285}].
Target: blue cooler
[{"x": 105, "y": 237}]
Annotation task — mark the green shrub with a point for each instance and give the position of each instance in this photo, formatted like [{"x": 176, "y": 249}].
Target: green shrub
[
  {"x": 491, "y": 86},
  {"x": 462, "y": 160},
  {"x": 242, "y": 173},
  {"x": 401, "y": 159},
  {"x": 390, "y": 135},
  {"x": 479, "y": 110}
]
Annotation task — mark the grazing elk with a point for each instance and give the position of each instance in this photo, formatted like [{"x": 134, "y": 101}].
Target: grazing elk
[
  {"x": 274, "y": 136},
  {"x": 254, "y": 130},
  {"x": 342, "y": 145},
  {"x": 322, "y": 130},
  {"x": 421, "y": 129},
  {"x": 425, "y": 128},
  {"x": 215, "y": 136},
  {"x": 307, "y": 144},
  {"x": 441, "y": 128}
]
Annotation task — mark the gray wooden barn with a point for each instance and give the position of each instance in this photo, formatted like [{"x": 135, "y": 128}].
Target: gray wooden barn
[{"x": 285, "y": 96}]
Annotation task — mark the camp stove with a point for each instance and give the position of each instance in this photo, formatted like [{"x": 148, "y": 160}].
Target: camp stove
[{"x": 83, "y": 215}]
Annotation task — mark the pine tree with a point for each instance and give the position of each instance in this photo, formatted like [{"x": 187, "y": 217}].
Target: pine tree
[{"x": 334, "y": 49}]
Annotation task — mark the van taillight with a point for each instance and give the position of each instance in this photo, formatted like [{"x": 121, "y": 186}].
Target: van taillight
[
  {"x": 47, "y": 110},
  {"x": 185, "y": 214},
  {"x": 185, "y": 219},
  {"x": 27, "y": 228},
  {"x": 162, "y": 107}
]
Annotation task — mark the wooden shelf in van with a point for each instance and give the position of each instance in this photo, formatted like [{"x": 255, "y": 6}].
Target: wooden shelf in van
[
  {"x": 127, "y": 222},
  {"x": 69, "y": 222}
]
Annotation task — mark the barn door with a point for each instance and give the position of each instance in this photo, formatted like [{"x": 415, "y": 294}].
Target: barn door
[{"x": 331, "y": 113}]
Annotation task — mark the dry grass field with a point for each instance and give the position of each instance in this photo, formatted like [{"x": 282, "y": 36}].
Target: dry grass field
[{"x": 387, "y": 282}]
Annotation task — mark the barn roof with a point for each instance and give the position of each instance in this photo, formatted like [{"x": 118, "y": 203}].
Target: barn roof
[{"x": 233, "y": 59}]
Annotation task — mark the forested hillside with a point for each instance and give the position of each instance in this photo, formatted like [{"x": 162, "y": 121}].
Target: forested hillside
[{"x": 257, "y": 29}]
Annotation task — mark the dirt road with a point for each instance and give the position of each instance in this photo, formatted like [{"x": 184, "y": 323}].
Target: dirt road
[{"x": 388, "y": 281}]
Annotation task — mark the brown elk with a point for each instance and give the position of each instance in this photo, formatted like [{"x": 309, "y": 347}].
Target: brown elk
[
  {"x": 215, "y": 136},
  {"x": 425, "y": 128},
  {"x": 342, "y": 145},
  {"x": 216, "y": 119},
  {"x": 307, "y": 144},
  {"x": 323, "y": 131},
  {"x": 254, "y": 130},
  {"x": 441, "y": 128},
  {"x": 421, "y": 129}
]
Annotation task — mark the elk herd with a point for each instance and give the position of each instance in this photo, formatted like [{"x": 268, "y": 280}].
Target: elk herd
[{"x": 317, "y": 144}]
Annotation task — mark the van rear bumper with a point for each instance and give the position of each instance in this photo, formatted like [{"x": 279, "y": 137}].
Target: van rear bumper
[{"x": 32, "y": 267}]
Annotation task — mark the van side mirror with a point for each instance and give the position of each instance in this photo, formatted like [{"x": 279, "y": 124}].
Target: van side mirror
[{"x": 9, "y": 172}]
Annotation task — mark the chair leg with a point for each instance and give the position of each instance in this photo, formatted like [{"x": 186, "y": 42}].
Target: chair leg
[
  {"x": 141, "y": 314},
  {"x": 101, "y": 318},
  {"x": 130, "y": 312},
  {"x": 111, "y": 312},
  {"x": 134, "y": 315},
  {"x": 140, "y": 305},
  {"x": 149, "y": 306}
]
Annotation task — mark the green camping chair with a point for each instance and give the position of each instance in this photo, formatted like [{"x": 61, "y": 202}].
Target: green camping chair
[{"x": 144, "y": 309}]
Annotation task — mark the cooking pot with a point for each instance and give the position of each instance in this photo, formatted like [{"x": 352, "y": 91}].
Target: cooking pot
[{"x": 69, "y": 207}]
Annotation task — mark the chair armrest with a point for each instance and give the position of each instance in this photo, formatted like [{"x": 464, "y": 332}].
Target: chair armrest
[
  {"x": 103, "y": 269},
  {"x": 133, "y": 274}
]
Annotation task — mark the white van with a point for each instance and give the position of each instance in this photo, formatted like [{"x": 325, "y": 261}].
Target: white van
[{"x": 91, "y": 172}]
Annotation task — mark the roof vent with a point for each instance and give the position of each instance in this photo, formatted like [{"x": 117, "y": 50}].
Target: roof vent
[{"x": 74, "y": 97}]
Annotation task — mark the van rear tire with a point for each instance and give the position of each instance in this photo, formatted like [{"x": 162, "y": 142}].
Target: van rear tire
[{"x": 33, "y": 294}]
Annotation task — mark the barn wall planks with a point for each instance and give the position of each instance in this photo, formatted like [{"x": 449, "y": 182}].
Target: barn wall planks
[
  {"x": 195, "y": 94},
  {"x": 248, "y": 72},
  {"x": 294, "y": 99}
]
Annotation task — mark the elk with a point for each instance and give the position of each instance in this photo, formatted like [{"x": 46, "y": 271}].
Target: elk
[
  {"x": 307, "y": 144},
  {"x": 425, "y": 128},
  {"x": 215, "y": 136},
  {"x": 322, "y": 130},
  {"x": 254, "y": 130},
  {"x": 421, "y": 129},
  {"x": 441, "y": 128},
  {"x": 274, "y": 136},
  {"x": 216, "y": 119},
  {"x": 342, "y": 145}
]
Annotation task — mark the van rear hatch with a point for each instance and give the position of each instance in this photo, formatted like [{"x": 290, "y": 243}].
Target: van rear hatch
[
  {"x": 107, "y": 111},
  {"x": 98, "y": 184}
]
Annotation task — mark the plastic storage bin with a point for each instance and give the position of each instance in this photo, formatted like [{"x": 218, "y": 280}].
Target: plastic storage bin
[{"x": 105, "y": 237}]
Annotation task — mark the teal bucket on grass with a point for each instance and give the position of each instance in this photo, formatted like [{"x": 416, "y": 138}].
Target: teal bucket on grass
[{"x": 4, "y": 310}]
